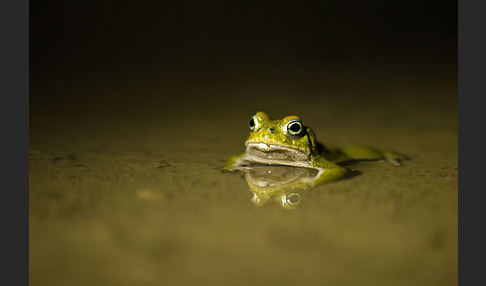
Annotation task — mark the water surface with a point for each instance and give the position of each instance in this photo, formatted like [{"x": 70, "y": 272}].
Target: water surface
[{"x": 126, "y": 186}]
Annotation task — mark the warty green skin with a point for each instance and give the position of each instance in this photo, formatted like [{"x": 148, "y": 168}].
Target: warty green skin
[{"x": 271, "y": 142}]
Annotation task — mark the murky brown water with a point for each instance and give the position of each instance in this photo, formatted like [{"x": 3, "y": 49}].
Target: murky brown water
[{"x": 126, "y": 186}]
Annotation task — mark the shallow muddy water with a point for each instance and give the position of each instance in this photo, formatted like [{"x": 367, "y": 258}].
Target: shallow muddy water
[{"x": 127, "y": 186}]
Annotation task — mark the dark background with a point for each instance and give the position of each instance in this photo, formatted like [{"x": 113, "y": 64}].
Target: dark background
[{"x": 155, "y": 44}]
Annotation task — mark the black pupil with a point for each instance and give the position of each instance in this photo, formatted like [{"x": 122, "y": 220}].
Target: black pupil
[
  {"x": 295, "y": 127},
  {"x": 252, "y": 123}
]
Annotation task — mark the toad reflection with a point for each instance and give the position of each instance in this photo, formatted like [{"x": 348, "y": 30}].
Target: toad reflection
[{"x": 283, "y": 185}]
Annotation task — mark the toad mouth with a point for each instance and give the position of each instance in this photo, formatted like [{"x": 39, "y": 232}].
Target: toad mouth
[{"x": 272, "y": 152}]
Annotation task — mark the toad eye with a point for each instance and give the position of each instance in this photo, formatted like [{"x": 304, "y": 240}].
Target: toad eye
[
  {"x": 252, "y": 123},
  {"x": 295, "y": 128}
]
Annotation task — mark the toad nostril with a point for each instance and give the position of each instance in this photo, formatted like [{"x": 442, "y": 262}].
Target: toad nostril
[{"x": 272, "y": 129}]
